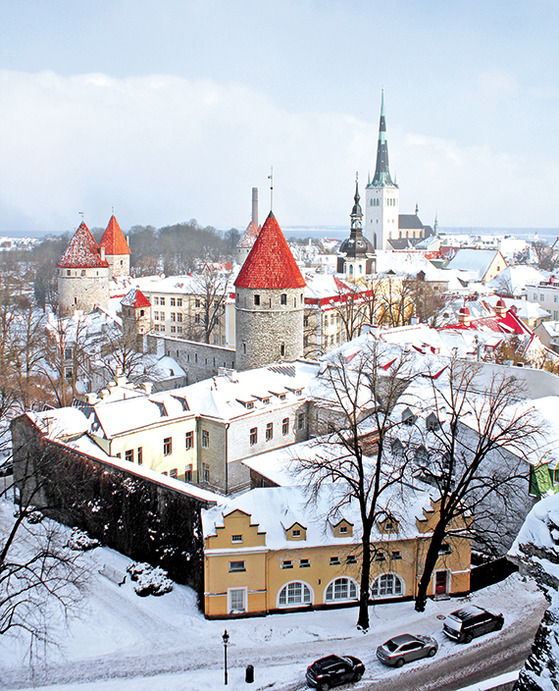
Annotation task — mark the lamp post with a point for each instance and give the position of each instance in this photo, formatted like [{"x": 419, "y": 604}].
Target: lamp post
[{"x": 225, "y": 638}]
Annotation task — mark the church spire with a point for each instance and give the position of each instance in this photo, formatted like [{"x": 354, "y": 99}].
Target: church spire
[{"x": 382, "y": 172}]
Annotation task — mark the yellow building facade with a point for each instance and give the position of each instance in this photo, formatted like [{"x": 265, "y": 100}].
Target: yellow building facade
[{"x": 252, "y": 570}]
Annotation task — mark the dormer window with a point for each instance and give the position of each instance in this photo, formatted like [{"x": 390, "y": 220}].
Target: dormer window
[
  {"x": 343, "y": 529},
  {"x": 296, "y": 532}
]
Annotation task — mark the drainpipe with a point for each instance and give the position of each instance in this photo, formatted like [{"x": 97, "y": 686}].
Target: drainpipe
[{"x": 226, "y": 460}]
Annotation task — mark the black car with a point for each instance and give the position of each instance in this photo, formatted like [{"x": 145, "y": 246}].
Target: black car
[
  {"x": 406, "y": 648},
  {"x": 471, "y": 621},
  {"x": 333, "y": 671}
]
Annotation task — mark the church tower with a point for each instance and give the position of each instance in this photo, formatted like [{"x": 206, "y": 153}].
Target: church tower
[
  {"x": 382, "y": 199},
  {"x": 116, "y": 249},
  {"x": 356, "y": 257},
  {"x": 83, "y": 275},
  {"x": 269, "y": 302}
]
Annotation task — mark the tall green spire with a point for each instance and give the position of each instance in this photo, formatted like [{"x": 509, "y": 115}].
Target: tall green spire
[{"x": 382, "y": 172}]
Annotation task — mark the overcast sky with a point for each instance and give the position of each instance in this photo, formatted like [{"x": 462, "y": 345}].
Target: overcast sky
[{"x": 174, "y": 109}]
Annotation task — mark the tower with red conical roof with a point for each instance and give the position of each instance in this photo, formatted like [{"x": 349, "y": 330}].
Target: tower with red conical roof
[
  {"x": 83, "y": 275},
  {"x": 269, "y": 302},
  {"x": 116, "y": 249}
]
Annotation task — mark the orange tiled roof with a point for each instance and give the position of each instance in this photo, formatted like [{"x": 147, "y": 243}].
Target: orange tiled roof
[
  {"x": 270, "y": 263},
  {"x": 82, "y": 252},
  {"x": 113, "y": 239},
  {"x": 135, "y": 298}
]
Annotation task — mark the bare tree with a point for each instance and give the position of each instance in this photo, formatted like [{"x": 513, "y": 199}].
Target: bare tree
[
  {"x": 474, "y": 458},
  {"x": 361, "y": 395},
  {"x": 211, "y": 290},
  {"x": 37, "y": 569}
]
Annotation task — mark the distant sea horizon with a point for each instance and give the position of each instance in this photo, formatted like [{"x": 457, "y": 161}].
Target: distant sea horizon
[{"x": 340, "y": 232}]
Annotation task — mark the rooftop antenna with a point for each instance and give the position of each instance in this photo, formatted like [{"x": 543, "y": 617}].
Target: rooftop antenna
[{"x": 271, "y": 179}]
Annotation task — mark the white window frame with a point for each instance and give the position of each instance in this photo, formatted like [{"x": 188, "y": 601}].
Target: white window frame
[
  {"x": 389, "y": 595},
  {"x": 342, "y": 599},
  {"x": 230, "y": 592},
  {"x": 302, "y": 603}
]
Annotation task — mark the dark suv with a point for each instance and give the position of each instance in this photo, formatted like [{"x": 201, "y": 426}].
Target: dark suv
[
  {"x": 333, "y": 671},
  {"x": 471, "y": 621}
]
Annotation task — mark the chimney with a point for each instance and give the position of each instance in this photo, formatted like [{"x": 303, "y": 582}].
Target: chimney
[
  {"x": 102, "y": 253},
  {"x": 255, "y": 206}
]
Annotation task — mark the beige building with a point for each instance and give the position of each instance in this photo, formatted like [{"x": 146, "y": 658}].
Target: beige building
[{"x": 271, "y": 550}]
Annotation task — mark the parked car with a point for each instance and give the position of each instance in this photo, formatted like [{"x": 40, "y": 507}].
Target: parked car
[
  {"x": 334, "y": 670},
  {"x": 471, "y": 621},
  {"x": 406, "y": 648}
]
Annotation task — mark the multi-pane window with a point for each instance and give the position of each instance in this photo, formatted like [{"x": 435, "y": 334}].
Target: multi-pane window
[
  {"x": 287, "y": 564},
  {"x": 285, "y": 426},
  {"x": 167, "y": 446},
  {"x": 301, "y": 420},
  {"x": 236, "y": 538},
  {"x": 296, "y": 593},
  {"x": 387, "y": 585},
  {"x": 205, "y": 439},
  {"x": 269, "y": 431},
  {"x": 173, "y": 472},
  {"x": 253, "y": 436},
  {"x": 188, "y": 473},
  {"x": 129, "y": 455},
  {"x": 161, "y": 301},
  {"x": 179, "y": 316},
  {"x": 304, "y": 563},
  {"x": 334, "y": 561},
  {"x": 189, "y": 440},
  {"x": 156, "y": 300},
  {"x": 236, "y": 566},
  {"x": 396, "y": 554},
  {"x": 206, "y": 472},
  {"x": 140, "y": 456},
  {"x": 341, "y": 589},
  {"x": 172, "y": 301},
  {"x": 179, "y": 302},
  {"x": 173, "y": 317},
  {"x": 351, "y": 559}
]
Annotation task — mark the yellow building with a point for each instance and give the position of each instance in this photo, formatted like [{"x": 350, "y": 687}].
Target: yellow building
[{"x": 270, "y": 550}]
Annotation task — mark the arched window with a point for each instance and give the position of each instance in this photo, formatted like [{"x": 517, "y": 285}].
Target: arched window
[
  {"x": 387, "y": 585},
  {"x": 294, "y": 594},
  {"x": 342, "y": 590}
]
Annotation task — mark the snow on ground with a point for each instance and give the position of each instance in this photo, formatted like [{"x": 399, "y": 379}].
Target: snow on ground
[{"x": 118, "y": 640}]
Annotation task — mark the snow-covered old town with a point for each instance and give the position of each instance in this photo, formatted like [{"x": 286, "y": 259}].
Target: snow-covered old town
[{"x": 290, "y": 454}]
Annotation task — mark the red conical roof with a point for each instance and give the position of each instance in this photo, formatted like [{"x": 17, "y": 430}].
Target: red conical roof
[
  {"x": 82, "y": 252},
  {"x": 135, "y": 298},
  {"x": 113, "y": 239},
  {"x": 250, "y": 235},
  {"x": 270, "y": 264}
]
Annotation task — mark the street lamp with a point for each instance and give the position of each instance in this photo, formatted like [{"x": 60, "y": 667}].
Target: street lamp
[{"x": 225, "y": 638}]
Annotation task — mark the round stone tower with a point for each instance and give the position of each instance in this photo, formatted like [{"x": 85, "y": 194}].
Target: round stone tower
[
  {"x": 83, "y": 275},
  {"x": 269, "y": 302}
]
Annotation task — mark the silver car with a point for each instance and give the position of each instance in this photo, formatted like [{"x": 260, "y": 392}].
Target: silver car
[{"x": 406, "y": 648}]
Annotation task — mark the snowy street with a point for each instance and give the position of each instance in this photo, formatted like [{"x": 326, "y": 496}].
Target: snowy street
[{"x": 117, "y": 640}]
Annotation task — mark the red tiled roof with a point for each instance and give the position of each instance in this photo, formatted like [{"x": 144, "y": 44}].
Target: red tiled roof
[
  {"x": 113, "y": 239},
  {"x": 249, "y": 236},
  {"x": 135, "y": 298},
  {"x": 82, "y": 252},
  {"x": 270, "y": 264}
]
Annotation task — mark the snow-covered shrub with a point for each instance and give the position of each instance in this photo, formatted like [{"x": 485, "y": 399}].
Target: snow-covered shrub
[
  {"x": 149, "y": 580},
  {"x": 80, "y": 540},
  {"x": 34, "y": 516}
]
